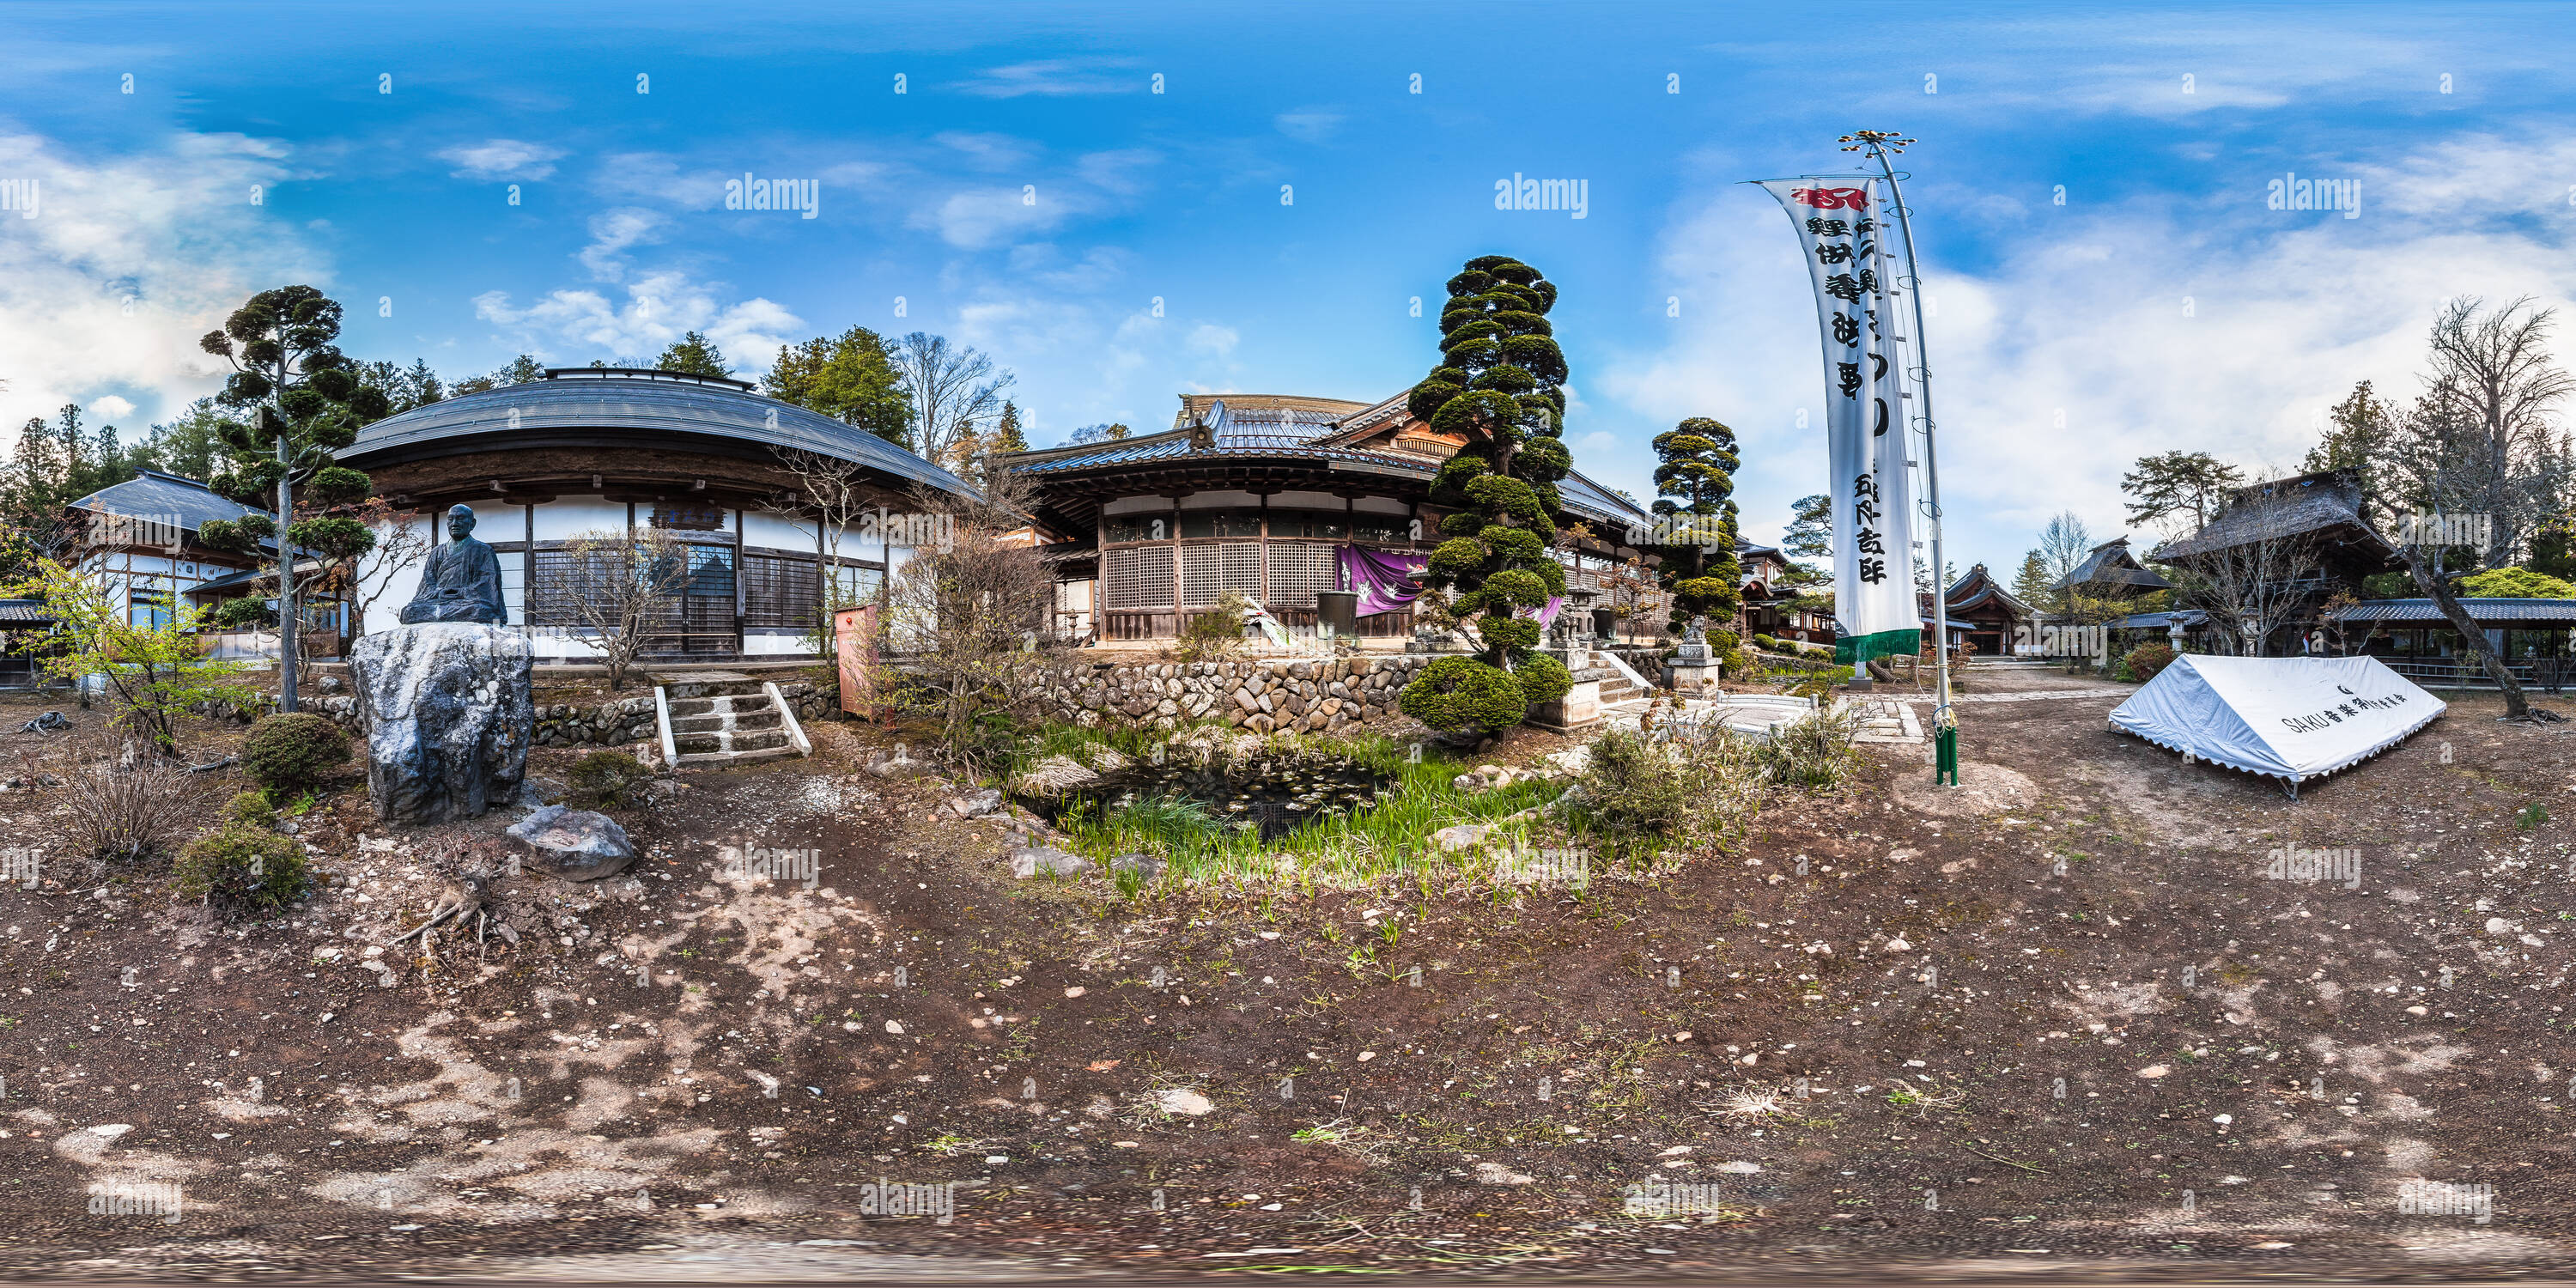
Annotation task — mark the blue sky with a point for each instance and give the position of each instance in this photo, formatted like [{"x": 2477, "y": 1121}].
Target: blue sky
[{"x": 2090, "y": 185}]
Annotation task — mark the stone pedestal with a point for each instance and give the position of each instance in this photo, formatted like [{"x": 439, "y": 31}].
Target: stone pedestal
[
  {"x": 1580, "y": 706},
  {"x": 448, "y": 718}
]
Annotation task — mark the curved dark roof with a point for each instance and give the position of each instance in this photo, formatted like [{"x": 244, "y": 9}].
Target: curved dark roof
[
  {"x": 570, "y": 409},
  {"x": 182, "y": 502},
  {"x": 1294, "y": 433}
]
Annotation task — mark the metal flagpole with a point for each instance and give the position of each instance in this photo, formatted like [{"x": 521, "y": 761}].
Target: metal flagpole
[{"x": 1882, "y": 144}]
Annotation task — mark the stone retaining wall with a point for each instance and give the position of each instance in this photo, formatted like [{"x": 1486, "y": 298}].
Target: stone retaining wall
[
  {"x": 616, "y": 723},
  {"x": 1297, "y": 695}
]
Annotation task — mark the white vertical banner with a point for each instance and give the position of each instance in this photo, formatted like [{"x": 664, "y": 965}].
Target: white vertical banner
[{"x": 1865, "y": 413}]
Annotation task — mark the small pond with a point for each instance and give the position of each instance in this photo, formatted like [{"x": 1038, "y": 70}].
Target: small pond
[{"x": 1275, "y": 794}]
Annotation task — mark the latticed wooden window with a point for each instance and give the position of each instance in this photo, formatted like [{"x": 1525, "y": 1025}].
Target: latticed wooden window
[
  {"x": 1298, "y": 570},
  {"x": 779, "y": 591},
  {"x": 1136, "y": 577},
  {"x": 558, "y": 580},
  {"x": 1207, "y": 572}
]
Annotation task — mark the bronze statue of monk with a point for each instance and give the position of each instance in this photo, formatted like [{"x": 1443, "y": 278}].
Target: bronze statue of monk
[{"x": 461, "y": 581}]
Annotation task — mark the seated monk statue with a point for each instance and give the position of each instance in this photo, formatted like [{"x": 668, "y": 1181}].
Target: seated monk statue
[{"x": 461, "y": 581}]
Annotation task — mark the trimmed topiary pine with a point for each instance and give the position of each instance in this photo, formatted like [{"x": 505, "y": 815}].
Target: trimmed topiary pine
[
  {"x": 242, "y": 866},
  {"x": 294, "y": 752},
  {"x": 1695, "y": 486},
  {"x": 1458, "y": 693},
  {"x": 1499, "y": 386}
]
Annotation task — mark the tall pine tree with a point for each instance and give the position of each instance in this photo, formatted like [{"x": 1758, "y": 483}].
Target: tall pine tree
[
  {"x": 1499, "y": 387},
  {"x": 1696, "y": 483}
]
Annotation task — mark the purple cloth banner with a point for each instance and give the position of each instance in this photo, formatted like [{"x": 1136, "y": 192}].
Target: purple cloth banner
[
  {"x": 1546, "y": 616},
  {"x": 1384, "y": 580}
]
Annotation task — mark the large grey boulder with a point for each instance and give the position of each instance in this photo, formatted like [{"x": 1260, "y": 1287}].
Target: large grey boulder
[
  {"x": 448, "y": 719},
  {"x": 574, "y": 844}
]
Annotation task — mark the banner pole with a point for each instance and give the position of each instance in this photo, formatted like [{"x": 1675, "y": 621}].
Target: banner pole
[{"x": 1881, "y": 144}]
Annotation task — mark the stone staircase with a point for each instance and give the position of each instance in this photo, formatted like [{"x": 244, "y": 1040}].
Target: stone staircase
[{"x": 719, "y": 719}]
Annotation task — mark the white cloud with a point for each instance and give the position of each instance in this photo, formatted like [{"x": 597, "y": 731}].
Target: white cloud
[
  {"x": 502, "y": 159},
  {"x": 658, "y": 308},
  {"x": 2084, "y": 317},
  {"x": 987, "y": 151},
  {"x": 131, "y": 257},
  {"x": 1308, "y": 124},
  {"x": 612, "y": 234},
  {"x": 111, "y": 407},
  {"x": 1056, "y": 77}
]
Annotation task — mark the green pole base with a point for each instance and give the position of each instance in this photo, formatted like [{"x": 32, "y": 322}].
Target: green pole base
[{"x": 1945, "y": 756}]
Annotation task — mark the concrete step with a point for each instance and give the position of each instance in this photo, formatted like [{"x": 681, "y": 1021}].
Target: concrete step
[
  {"x": 729, "y": 759},
  {"x": 727, "y": 704},
  {"x": 769, "y": 719},
  {"x": 728, "y": 740},
  {"x": 679, "y": 685}
]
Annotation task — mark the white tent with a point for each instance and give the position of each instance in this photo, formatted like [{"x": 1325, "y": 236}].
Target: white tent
[{"x": 2288, "y": 717}]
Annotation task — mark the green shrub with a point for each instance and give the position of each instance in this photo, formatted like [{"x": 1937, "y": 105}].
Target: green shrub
[
  {"x": 1461, "y": 695},
  {"x": 1766, "y": 642},
  {"x": 1723, "y": 642},
  {"x": 608, "y": 778},
  {"x": 1740, "y": 663},
  {"x": 293, "y": 753},
  {"x": 244, "y": 867},
  {"x": 251, "y": 808},
  {"x": 1633, "y": 786},
  {"x": 1542, "y": 678},
  {"x": 2147, "y": 659},
  {"x": 1216, "y": 632},
  {"x": 1815, "y": 753}
]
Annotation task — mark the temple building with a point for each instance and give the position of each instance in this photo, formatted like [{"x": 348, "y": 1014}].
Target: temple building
[
  {"x": 1262, "y": 494},
  {"x": 613, "y": 450}
]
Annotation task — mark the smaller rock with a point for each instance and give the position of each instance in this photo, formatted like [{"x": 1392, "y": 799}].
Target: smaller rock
[
  {"x": 536, "y": 792},
  {"x": 1493, "y": 1173},
  {"x": 1183, "y": 1100},
  {"x": 1147, "y": 867},
  {"x": 976, "y": 804},
  {"x": 1039, "y": 860},
  {"x": 2154, "y": 1071},
  {"x": 1464, "y": 836},
  {"x": 577, "y": 845}
]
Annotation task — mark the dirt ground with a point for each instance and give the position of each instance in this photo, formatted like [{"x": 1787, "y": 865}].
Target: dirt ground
[{"x": 2124, "y": 1047}]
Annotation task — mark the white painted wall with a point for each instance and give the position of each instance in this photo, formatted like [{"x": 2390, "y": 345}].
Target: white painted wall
[
  {"x": 764, "y": 529},
  {"x": 567, "y": 517}
]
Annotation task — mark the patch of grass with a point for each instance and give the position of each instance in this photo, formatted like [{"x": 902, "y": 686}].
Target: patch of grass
[
  {"x": 1389, "y": 837},
  {"x": 2531, "y": 816}
]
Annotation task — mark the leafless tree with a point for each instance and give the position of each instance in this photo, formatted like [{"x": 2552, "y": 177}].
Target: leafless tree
[
  {"x": 968, "y": 612},
  {"x": 2259, "y": 582},
  {"x": 402, "y": 541},
  {"x": 2064, "y": 544},
  {"x": 2479, "y": 440},
  {"x": 618, "y": 585},
  {"x": 954, "y": 394},
  {"x": 837, "y": 495}
]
